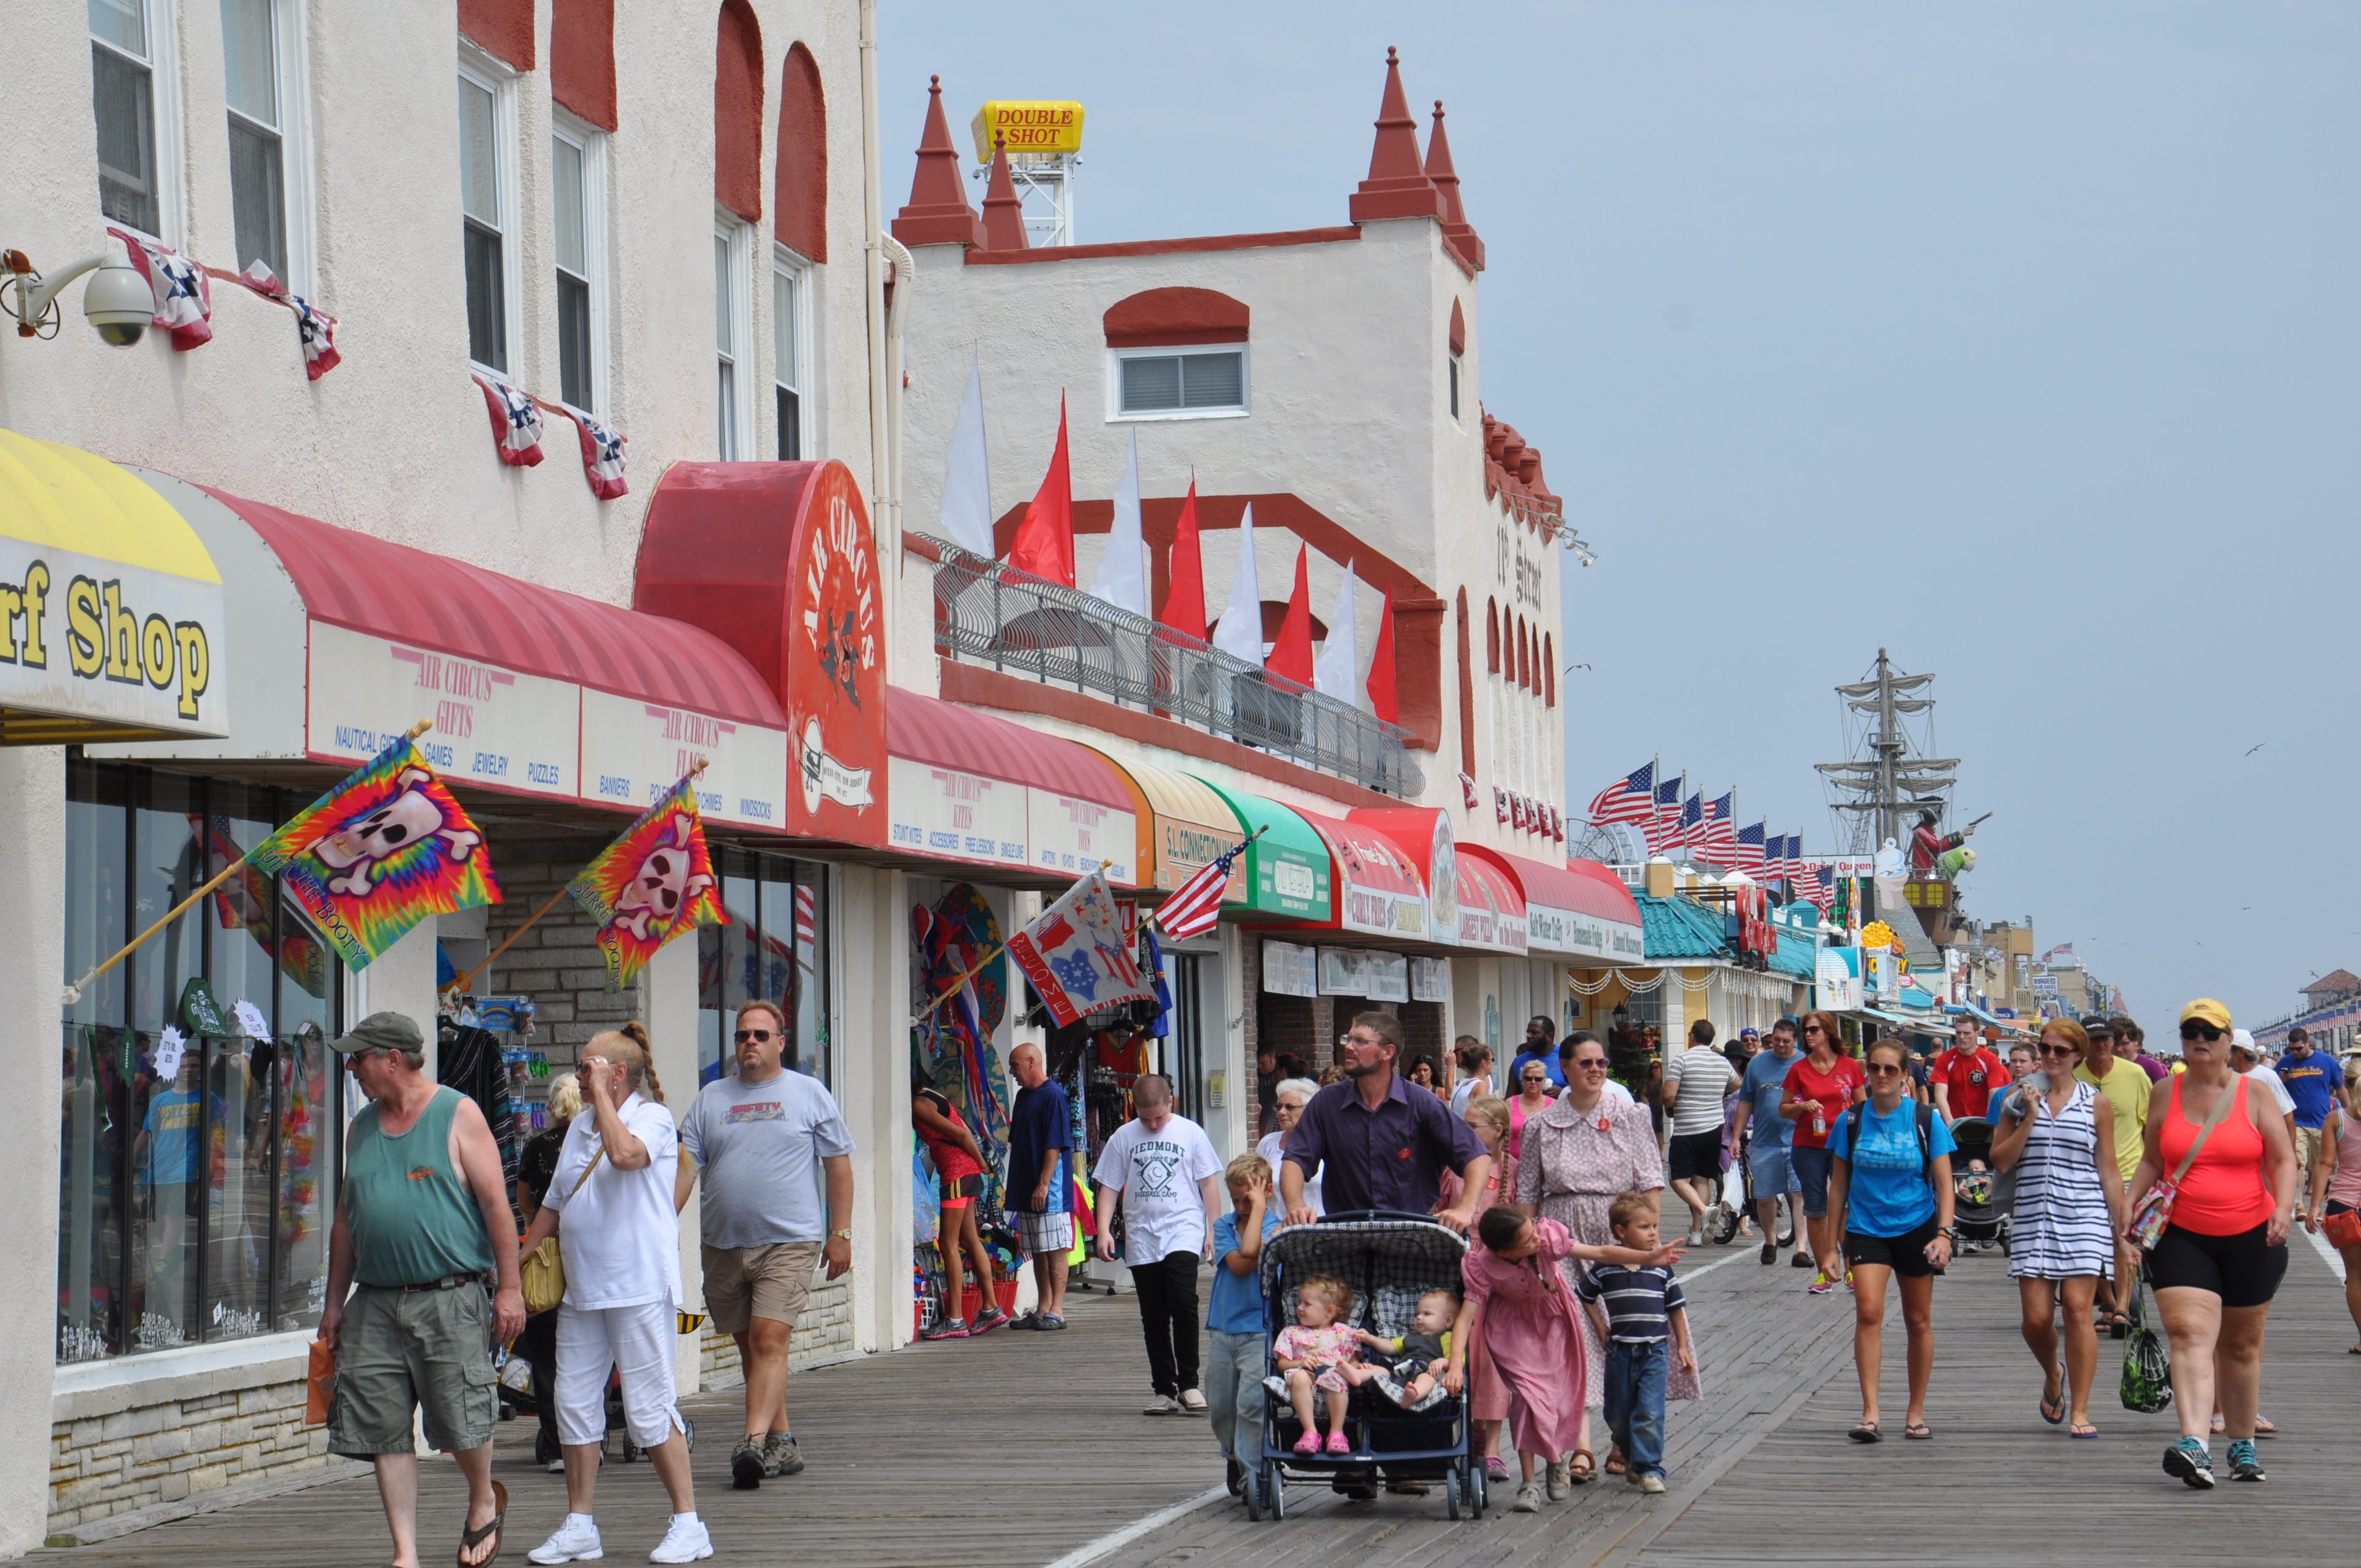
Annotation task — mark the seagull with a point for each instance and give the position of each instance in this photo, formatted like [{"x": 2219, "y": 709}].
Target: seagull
[
  {"x": 2257, "y": 747},
  {"x": 1571, "y": 668}
]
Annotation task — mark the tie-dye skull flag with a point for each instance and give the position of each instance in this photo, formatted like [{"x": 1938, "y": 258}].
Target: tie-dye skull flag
[
  {"x": 651, "y": 885},
  {"x": 378, "y": 853},
  {"x": 1075, "y": 955}
]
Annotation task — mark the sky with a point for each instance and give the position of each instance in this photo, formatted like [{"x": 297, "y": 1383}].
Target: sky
[{"x": 2020, "y": 340}]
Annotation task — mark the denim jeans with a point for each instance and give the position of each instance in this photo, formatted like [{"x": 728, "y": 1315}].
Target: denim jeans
[
  {"x": 1234, "y": 1393},
  {"x": 1635, "y": 1403}
]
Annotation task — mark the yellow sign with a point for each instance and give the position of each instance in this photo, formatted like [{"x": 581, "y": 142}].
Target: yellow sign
[{"x": 1038, "y": 129}]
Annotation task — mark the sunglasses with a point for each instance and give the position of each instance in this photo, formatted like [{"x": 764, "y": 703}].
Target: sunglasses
[
  {"x": 1882, "y": 1068},
  {"x": 2056, "y": 1050},
  {"x": 760, "y": 1036},
  {"x": 1591, "y": 1064},
  {"x": 2200, "y": 1032}
]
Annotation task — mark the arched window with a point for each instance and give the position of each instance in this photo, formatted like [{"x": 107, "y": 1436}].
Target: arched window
[
  {"x": 799, "y": 196},
  {"x": 1176, "y": 351},
  {"x": 502, "y": 29},
  {"x": 1525, "y": 658},
  {"x": 738, "y": 111},
  {"x": 1549, "y": 672},
  {"x": 1492, "y": 637}
]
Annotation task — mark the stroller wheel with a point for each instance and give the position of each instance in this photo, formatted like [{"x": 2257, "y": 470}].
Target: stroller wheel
[
  {"x": 1453, "y": 1485},
  {"x": 1274, "y": 1496},
  {"x": 1725, "y": 1225},
  {"x": 1251, "y": 1490},
  {"x": 688, "y": 1429}
]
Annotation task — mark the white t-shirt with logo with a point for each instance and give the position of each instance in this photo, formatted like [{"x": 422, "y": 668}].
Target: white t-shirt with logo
[
  {"x": 1163, "y": 1212},
  {"x": 1705, "y": 1077},
  {"x": 619, "y": 1235}
]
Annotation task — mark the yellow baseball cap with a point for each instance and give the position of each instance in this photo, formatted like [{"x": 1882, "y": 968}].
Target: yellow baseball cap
[{"x": 2205, "y": 1010}]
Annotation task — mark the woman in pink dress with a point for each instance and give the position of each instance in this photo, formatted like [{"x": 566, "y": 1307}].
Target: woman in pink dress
[
  {"x": 1580, "y": 1155},
  {"x": 1522, "y": 1309}
]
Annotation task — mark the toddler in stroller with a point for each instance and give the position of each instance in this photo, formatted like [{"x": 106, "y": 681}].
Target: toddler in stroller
[{"x": 1983, "y": 1194}]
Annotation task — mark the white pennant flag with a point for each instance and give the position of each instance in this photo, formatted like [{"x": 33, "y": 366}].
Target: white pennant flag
[
  {"x": 966, "y": 510},
  {"x": 1120, "y": 580},
  {"x": 1337, "y": 671},
  {"x": 1240, "y": 634}
]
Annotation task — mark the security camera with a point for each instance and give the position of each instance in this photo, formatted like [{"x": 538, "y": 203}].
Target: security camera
[{"x": 117, "y": 302}]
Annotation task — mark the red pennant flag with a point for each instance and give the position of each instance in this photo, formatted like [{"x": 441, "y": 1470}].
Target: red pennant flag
[
  {"x": 1381, "y": 666},
  {"x": 1045, "y": 540},
  {"x": 1290, "y": 654},
  {"x": 1184, "y": 603}
]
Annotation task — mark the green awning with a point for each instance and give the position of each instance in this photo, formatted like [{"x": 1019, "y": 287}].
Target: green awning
[{"x": 1286, "y": 868}]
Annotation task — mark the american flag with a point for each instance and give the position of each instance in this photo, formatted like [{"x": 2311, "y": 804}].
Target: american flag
[
  {"x": 1196, "y": 903},
  {"x": 1632, "y": 798},
  {"x": 1752, "y": 849},
  {"x": 1692, "y": 814},
  {"x": 516, "y": 422},
  {"x": 1717, "y": 840},
  {"x": 1664, "y": 827},
  {"x": 806, "y": 932},
  {"x": 1818, "y": 883}
]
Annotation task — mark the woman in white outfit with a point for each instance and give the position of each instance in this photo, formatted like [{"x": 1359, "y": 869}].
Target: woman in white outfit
[
  {"x": 1289, "y": 1097},
  {"x": 611, "y": 1207}
]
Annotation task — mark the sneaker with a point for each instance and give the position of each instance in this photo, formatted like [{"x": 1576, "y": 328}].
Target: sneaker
[
  {"x": 556, "y": 1467},
  {"x": 1697, "y": 1238},
  {"x": 575, "y": 1540},
  {"x": 2188, "y": 1459},
  {"x": 1821, "y": 1284},
  {"x": 747, "y": 1469},
  {"x": 1770, "y": 1254},
  {"x": 1309, "y": 1442},
  {"x": 1495, "y": 1468},
  {"x": 1529, "y": 1498},
  {"x": 1236, "y": 1478},
  {"x": 780, "y": 1457},
  {"x": 1847, "y": 1276},
  {"x": 1193, "y": 1403},
  {"x": 686, "y": 1542},
  {"x": 1337, "y": 1446},
  {"x": 1652, "y": 1484},
  {"x": 1162, "y": 1405},
  {"x": 945, "y": 1328},
  {"x": 1029, "y": 1321},
  {"x": 991, "y": 1318},
  {"x": 2244, "y": 1463},
  {"x": 1561, "y": 1480}
]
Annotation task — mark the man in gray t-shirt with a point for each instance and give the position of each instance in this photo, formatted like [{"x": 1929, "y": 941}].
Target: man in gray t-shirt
[{"x": 763, "y": 1139}]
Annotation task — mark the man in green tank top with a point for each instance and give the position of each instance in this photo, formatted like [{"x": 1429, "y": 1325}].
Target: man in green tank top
[{"x": 421, "y": 1218}]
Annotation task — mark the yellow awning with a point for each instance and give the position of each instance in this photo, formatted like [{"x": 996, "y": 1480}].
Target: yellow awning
[
  {"x": 1183, "y": 827},
  {"x": 110, "y": 606}
]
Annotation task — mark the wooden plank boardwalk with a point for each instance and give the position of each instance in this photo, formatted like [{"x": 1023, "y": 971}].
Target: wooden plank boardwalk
[{"x": 1021, "y": 1450}]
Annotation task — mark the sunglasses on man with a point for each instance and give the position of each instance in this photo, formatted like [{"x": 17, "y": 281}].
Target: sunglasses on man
[{"x": 760, "y": 1036}]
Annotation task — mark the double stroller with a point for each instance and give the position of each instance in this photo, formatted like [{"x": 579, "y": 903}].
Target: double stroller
[{"x": 1389, "y": 1260}]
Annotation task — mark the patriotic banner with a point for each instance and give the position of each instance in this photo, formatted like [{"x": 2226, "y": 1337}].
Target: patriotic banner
[
  {"x": 516, "y": 421},
  {"x": 378, "y": 853},
  {"x": 1752, "y": 849},
  {"x": 184, "y": 300},
  {"x": 315, "y": 330},
  {"x": 1196, "y": 905},
  {"x": 649, "y": 885},
  {"x": 602, "y": 456},
  {"x": 1075, "y": 954}
]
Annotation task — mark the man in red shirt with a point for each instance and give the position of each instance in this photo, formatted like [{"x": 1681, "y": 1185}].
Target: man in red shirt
[{"x": 1965, "y": 1076}]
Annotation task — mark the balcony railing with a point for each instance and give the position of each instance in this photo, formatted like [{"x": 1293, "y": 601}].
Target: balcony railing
[{"x": 1015, "y": 622}]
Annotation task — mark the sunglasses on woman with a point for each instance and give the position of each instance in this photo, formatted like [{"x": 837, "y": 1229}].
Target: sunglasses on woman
[
  {"x": 1883, "y": 1068},
  {"x": 2049, "y": 1050},
  {"x": 2200, "y": 1032},
  {"x": 1591, "y": 1064}
]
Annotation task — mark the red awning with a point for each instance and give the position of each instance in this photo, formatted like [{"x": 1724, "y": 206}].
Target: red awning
[
  {"x": 971, "y": 787},
  {"x": 1491, "y": 905},
  {"x": 1609, "y": 898},
  {"x": 1603, "y": 896},
  {"x": 1374, "y": 888}
]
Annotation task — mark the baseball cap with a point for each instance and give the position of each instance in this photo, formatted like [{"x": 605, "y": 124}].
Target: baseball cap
[
  {"x": 2241, "y": 1040},
  {"x": 2205, "y": 1010},
  {"x": 1749, "y": 1035},
  {"x": 381, "y": 1031}
]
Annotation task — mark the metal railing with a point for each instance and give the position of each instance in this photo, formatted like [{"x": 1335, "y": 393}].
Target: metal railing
[{"x": 992, "y": 614}]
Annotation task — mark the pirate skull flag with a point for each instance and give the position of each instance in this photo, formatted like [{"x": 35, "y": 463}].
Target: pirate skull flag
[
  {"x": 378, "y": 853},
  {"x": 649, "y": 885},
  {"x": 1075, "y": 954}
]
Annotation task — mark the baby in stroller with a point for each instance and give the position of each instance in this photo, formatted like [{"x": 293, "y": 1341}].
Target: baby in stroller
[
  {"x": 1321, "y": 1350},
  {"x": 1412, "y": 1378}
]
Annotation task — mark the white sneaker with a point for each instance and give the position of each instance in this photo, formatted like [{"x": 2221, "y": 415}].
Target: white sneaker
[
  {"x": 1162, "y": 1405},
  {"x": 1193, "y": 1403},
  {"x": 686, "y": 1542},
  {"x": 572, "y": 1542}
]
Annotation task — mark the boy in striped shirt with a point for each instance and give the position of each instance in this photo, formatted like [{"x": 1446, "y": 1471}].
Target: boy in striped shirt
[{"x": 1636, "y": 1311}]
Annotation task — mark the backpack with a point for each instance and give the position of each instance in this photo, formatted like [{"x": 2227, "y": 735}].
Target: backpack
[{"x": 1925, "y": 1120}]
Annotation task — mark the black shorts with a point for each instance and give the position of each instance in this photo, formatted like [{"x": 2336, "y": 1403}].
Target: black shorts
[
  {"x": 1696, "y": 1155},
  {"x": 1906, "y": 1255},
  {"x": 959, "y": 1188},
  {"x": 2242, "y": 1270}
]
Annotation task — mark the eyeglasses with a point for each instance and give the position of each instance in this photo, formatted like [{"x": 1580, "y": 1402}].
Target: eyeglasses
[
  {"x": 1359, "y": 1040},
  {"x": 2050, "y": 1050},
  {"x": 760, "y": 1036},
  {"x": 1591, "y": 1064},
  {"x": 2194, "y": 1031}
]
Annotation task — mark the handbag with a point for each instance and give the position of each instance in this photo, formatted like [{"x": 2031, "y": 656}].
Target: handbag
[
  {"x": 2343, "y": 1230},
  {"x": 2155, "y": 1210},
  {"x": 2147, "y": 1362},
  {"x": 543, "y": 1275}
]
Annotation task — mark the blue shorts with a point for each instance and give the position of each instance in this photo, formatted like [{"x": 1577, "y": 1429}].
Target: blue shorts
[
  {"x": 1812, "y": 1175},
  {"x": 1773, "y": 1172}
]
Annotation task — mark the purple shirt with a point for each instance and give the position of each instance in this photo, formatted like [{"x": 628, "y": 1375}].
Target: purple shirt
[
  {"x": 1392, "y": 1158},
  {"x": 2157, "y": 1071}
]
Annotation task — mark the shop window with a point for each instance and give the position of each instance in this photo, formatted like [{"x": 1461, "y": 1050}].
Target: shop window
[
  {"x": 776, "y": 948},
  {"x": 487, "y": 203},
  {"x": 130, "y": 89},
  {"x": 256, "y": 51},
  {"x": 577, "y": 209},
  {"x": 192, "y": 1204},
  {"x": 732, "y": 339}
]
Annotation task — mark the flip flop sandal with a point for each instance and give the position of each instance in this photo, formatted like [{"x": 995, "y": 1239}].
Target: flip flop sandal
[
  {"x": 2058, "y": 1419},
  {"x": 1920, "y": 1431},
  {"x": 471, "y": 1538},
  {"x": 2265, "y": 1429},
  {"x": 1866, "y": 1432},
  {"x": 2083, "y": 1430}
]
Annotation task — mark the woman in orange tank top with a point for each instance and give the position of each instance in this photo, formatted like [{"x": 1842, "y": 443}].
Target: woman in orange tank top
[{"x": 2222, "y": 1257}]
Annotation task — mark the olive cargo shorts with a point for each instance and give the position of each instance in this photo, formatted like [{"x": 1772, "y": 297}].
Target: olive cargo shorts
[{"x": 403, "y": 1350}]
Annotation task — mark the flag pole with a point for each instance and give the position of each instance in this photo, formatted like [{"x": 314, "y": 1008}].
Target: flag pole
[
  {"x": 73, "y": 992},
  {"x": 468, "y": 978}
]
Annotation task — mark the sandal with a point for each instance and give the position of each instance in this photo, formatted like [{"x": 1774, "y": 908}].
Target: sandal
[
  {"x": 2083, "y": 1429},
  {"x": 2263, "y": 1427},
  {"x": 1581, "y": 1465},
  {"x": 2059, "y": 1407},
  {"x": 1866, "y": 1432},
  {"x": 1615, "y": 1465},
  {"x": 1918, "y": 1430},
  {"x": 2118, "y": 1326},
  {"x": 471, "y": 1538}
]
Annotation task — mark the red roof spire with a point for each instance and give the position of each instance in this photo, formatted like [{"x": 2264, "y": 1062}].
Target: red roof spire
[
  {"x": 1003, "y": 212},
  {"x": 1397, "y": 186},
  {"x": 1455, "y": 227},
  {"x": 937, "y": 212}
]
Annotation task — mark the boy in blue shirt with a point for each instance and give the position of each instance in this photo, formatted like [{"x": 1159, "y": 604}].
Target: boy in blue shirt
[
  {"x": 1636, "y": 1310},
  {"x": 1233, "y": 1325}
]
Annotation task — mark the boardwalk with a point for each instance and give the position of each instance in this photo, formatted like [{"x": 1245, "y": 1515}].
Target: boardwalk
[{"x": 1021, "y": 1450}]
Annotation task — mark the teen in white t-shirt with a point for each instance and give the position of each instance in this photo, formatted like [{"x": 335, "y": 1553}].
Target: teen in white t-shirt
[{"x": 1161, "y": 1170}]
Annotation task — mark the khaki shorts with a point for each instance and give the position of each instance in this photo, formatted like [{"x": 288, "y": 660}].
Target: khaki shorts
[
  {"x": 773, "y": 1282},
  {"x": 2306, "y": 1153},
  {"x": 399, "y": 1351}
]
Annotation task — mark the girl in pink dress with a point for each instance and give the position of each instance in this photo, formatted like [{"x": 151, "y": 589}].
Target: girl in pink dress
[
  {"x": 1522, "y": 1310},
  {"x": 1488, "y": 1396},
  {"x": 1309, "y": 1353}
]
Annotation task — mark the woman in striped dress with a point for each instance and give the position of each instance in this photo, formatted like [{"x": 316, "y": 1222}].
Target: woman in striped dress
[{"x": 2068, "y": 1211}]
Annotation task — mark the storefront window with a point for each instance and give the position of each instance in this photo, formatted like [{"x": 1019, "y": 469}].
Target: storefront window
[
  {"x": 190, "y": 1201},
  {"x": 774, "y": 949}
]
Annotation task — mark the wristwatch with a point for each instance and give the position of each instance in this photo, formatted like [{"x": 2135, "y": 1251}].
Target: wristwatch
[{"x": 845, "y": 1236}]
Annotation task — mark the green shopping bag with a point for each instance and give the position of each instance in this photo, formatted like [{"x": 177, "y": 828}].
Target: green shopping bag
[{"x": 2147, "y": 1362}]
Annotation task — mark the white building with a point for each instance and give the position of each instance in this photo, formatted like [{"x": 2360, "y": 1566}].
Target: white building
[{"x": 567, "y": 198}]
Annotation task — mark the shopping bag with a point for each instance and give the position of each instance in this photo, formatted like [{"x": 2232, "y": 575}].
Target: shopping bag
[
  {"x": 319, "y": 1384},
  {"x": 2147, "y": 1363}
]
